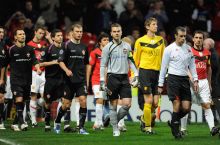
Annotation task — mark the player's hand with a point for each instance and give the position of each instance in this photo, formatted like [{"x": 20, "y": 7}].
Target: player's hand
[
  {"x": 69, "y": 73},
  {"x": 102, "y": 86},
  {"x": 160, "y": 89},
  {"x": 196, "y": 86},
  {"x": 2, "y": 82},
  {"x": 134, "y": 82}
]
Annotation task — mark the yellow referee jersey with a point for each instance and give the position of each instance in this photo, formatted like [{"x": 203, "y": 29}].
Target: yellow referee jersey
[{"x": 148, "y": 52}]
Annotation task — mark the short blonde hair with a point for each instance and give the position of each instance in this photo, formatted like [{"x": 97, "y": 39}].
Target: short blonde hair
[{"x": 149, "y": 21}]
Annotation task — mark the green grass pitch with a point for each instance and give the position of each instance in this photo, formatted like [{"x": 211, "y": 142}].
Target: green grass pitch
[{"x": 198, "y": 135}]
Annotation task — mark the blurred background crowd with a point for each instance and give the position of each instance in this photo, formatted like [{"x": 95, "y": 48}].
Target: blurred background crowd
[{"x": 97, "y": 16}]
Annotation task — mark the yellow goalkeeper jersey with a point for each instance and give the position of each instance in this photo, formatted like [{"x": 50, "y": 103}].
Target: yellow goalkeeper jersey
[{"x": 148, "y": 52}]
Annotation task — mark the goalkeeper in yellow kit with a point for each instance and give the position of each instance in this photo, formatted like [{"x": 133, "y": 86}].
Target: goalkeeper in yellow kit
[{"x": 148, "y": 52}]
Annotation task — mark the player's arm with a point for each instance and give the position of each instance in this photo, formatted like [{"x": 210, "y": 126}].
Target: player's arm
[
  {"x": 44, "y": 62},
  {"x": 104, "y": 62},
  {"x": 35, "y": 62},
  {"x": 209, "y": 73},
  {"x": 192, "y": 69},
  {"x": 163, "y": 70},
  {"x": 88, "y": 67},
  {"x": 137, "y": 53},
  {"x": 62, "y": 64},
  {"x": 2, "y": 77},
  {"x": 92, "y": 60}
]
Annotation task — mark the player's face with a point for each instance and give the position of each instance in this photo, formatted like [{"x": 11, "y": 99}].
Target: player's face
[
  {"x": 180, "y": 37},
  {"x": 116, "y": 33},
  {"x": 77, "y": 33},
  {"x": 104, "y": 41},
  {"x": 40, "y": 34},
  {"x": 198, "y": 39},
  {"x": 152, "y": 27},
  {"x": 58, "y": 37},
  {"x": 1, "y": 33},
  {"x": 20, "y": 36}
]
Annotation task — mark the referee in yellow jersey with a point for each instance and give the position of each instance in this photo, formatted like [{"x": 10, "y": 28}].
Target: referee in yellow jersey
[{"x": 148, "y": 52}]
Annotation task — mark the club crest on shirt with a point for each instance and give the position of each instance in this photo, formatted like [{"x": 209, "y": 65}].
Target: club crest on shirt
[
  {"x": 125, "y": 51},
  {"x": 83, "y": 52},
  {"x": 61, "y": 51},
  {"x": 42, "y": 53},
  {"x": 28, "y": 54},
  {"x": 39, "y": 45},
  {"x": 200, "y": 54}
]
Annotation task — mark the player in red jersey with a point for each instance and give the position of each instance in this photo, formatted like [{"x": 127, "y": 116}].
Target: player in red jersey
[
  {"x": 94, "y": 72},
  {"x": 203, "y": 68},
  {"x": 37, "y": 87}
]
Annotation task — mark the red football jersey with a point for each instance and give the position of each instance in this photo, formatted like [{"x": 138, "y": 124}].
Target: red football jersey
[
  {"x": 202, "y": 60},
  {"x": 38, "y": 50},
  {"x": 94, "y": 60}
]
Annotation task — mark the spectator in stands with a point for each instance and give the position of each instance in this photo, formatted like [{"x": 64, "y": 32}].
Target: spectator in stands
[
  {"x": 159, "y": 13},
  {"x": 130, "y": 18},
  {"x": 201, "y": 17},
  {"x": 29, "y": 12}
]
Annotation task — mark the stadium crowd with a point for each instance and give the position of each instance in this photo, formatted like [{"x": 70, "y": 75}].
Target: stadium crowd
[{"x": 61, "y": 49}]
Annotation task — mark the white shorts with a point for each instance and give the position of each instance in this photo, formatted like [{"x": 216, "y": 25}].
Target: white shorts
[
  {"x": 8, "y": 94},
  {"x": 98, "y": 93},
  {"x": 203, "y": 96},
  {"x": 38, "y": 82}
]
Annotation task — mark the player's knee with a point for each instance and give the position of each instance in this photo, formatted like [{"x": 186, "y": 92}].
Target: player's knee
[
  {"x": 113, "y": 108},
  {"x": 127, "y": 107},
  {"x": 206, "y": 106}
]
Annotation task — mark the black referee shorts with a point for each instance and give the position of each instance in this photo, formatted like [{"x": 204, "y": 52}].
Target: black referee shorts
[
  {"x": 119, "y": 86},
  {"x": 148, "y": 81},
  {"x": 53, "y": 90},
  {"x": 178, "y": 88}
]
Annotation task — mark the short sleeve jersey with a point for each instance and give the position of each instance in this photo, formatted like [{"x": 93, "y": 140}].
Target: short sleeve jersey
[
  {"x": 21, "y": 61},
  {"x": 94, "y": 61},
  {"x": 53, "y": 71},
  {"x": 148, "y": 52},
  {"x": 202, "y": 60},
  {"x": 38, "y": 49},
  {"x": 75, "y": 56}
]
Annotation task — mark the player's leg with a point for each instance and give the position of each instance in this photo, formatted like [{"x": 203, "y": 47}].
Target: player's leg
[
  {"x": 81, "y": 93},
  {"x": 98, "y": 107},
  {"x": 125, "y": 95},
  {"x": 33, "y": 102},
  {"x": 205, "y": 95},
  {"x": 2, "y": 106},
  {"x": 77, "y": 107},
  {"x": 121, "y": 123}
]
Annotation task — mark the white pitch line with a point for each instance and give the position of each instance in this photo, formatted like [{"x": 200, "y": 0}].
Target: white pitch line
[{"x": 7, "y": 142}]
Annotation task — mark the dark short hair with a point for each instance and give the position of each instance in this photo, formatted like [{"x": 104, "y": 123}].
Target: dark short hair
[
  {"x": 39, "y": 27},
  {"x": 180, "y": 28},
  {"x": 102, "y": 35},
  {"x": 15, "y": 32},
  {"x": 198, "y": 32},
  {"x": 53, "y": 33}
]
